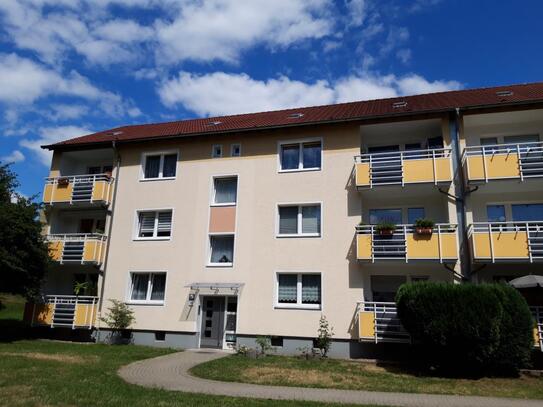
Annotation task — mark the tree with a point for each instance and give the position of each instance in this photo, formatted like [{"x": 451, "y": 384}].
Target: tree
[
  {"x": 24, "y": 254},
  {"x": 324, "y": 336}
]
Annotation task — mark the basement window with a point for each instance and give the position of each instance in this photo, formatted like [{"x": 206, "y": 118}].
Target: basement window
[{"x": 160, "y": 336}]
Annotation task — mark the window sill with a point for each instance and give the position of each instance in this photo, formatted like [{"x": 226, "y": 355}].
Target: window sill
[
  {"x": 135, "y": 302},
  {"x": 157, "y": 179},
  {"x": 223, "y": 204},
  {"x": 220, "y": 265},
  {"x": 140, "y": 239},
  {"x": 300, "y": 170},
  {"x": 308, "y": 307},
  {"x": 300, "y": 235}
]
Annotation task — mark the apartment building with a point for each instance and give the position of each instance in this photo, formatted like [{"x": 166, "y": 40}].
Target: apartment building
[{"x": 219, "y": 230}]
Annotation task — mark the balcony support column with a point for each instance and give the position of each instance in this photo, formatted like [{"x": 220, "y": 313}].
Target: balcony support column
[{"x": 460, "y": 193}]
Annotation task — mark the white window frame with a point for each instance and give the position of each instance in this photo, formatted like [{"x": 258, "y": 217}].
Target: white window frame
[
  {"x": 209, "y": 250},
  {"x": 299, "y": 224},
  {"x": 136, "y": 233},
  {"x": 161, "y": 166},
  {"x": 213, "y": 151},
  {"x": 299, "y": 304},
  {"x": 232, "y": 146},
  {"x": 300, "y": 142},
  {"x": 213, "y": 178},
  {"x": 147, "y": 301}
]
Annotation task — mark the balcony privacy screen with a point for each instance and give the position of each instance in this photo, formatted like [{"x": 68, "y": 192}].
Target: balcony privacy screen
[
  {"x": 288, "y": 220},
  {"x": 222, "y": 249},
  {"x": 311, "y": 289},
  {"x": 152, "y": 166},
  {"x": 170, "y": 163},
  {"x": 287, "y": 292},
  {"x": 311, "y": 219},
  {"x": 226, "y": 190}
]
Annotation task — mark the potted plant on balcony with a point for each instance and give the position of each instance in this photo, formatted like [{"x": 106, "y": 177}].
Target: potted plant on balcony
[
  {"x": 63, "y": 181},
  {"x": 385, "y": 228},
  {"x": 424, "y": 226}
]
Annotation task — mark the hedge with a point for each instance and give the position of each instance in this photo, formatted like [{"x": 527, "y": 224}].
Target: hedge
[{"x": 468, "y": 329}]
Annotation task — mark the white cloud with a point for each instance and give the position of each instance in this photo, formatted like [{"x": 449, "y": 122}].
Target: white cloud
[
  {"x": 50, "y": 135},
  {"x": 357, "y": 12},
  {"x": 404, "y": 55},
  {"x": 23, "y": 81},
  {"x": 14, "y": 157},
  {"x": 126, "y": 31},
  {"x": 222, "y": 93},
  {"x": 67, "y": 112},
  {"x": 221, "y": 29}
]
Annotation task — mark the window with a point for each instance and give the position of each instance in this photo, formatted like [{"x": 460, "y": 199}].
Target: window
[
  {"x": 299, "y": 220},
  {"x": 531, "y": 138},
  {"x": 299, "y": 290},
  {"x": 385, "y": 215},
  {"x": 155, "y": 224},
  {"x": 159, "y": 166},
  {"x": 225, "y": 190},
  {"x": 495, "y": 213},
  {"x": 222, "y": 250},
  {"x": 527, "y": 212},
  {"x": 148, "y": 287},
  {"x": 160, "y": 336},
  {"x": 300, "y": 156},
  {"x": 277, "y": 341},
  {"x": 413, "y": 214},
  {"x": 235, "y": 150},
  {"x": 216, "y": 151}
]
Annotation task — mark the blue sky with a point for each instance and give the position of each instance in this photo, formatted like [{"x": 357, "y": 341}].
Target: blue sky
[{"x": 70, "y": 67}]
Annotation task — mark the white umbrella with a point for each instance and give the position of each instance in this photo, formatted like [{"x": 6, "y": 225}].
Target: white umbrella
[{"x": 527, "y": 281}]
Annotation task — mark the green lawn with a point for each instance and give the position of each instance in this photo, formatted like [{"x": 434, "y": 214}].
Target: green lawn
[
  {"x": 11, "y": 307},
  {"x": 47, "y": 373},
  {"x": 329, "y": 373}
]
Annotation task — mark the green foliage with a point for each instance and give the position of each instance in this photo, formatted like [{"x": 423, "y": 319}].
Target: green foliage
[
  {"x": 24, "y": 254},
  {"x": 384, "y": 226},
  {"x": 324, "y": 336},
  {"x": 119, "y": 316},
  {"x": 424, "y": 223},
  {"x": 264, "y": 343},
  {"x": 80, "y": 287},
  {"x": 466, "y": 328}
]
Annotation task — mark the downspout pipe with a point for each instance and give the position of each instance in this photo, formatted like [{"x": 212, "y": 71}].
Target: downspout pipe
[
  {"x": 110, "y": 227},
  {"x": 460, "y": 187}
]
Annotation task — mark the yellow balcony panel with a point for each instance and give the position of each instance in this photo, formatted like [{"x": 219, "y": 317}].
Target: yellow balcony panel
[
  {"x": 67, "y": 311},
  {"x": 406, "y": 245},
  {"x": 505, "y": 241},
  {"x": 366, "y": 325},
  {"x": 403, "y": 167},
  {"x": 78, "y": 189},
  {"x": 379, "y": 322},
  {"x": 504, "y": 161},
  {"x": 77, "y": 248}
]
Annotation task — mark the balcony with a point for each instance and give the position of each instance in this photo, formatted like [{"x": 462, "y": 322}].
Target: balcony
[
  {"x": 537, "y": 313},
  {"x": 403, "y": 167},
  {"x": 63, "y": 311},
  {"x": 77, "y": 248},
  {"x": 405, "y": 244},
  {"x": 78, "y": 189},
  {"x": 507, "y": 241},
  {"x": 503, "y": 161},
  {"x": 378, "y": 322}
]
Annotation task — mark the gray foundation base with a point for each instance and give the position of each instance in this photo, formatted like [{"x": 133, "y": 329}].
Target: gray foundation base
[
  {"x": 340, "y": 349},
  {"x": 176, "y": 340}
]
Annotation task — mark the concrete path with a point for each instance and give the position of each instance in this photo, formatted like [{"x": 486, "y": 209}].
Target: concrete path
[{"x": 171, "y": 372}]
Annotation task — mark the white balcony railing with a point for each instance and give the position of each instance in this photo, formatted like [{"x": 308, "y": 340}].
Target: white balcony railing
[
  {"x": 63, "y": 311},
  {"x": 502, "y": 161},
  {"x": 77, "y": 247},
  {"x": 379, "y": 322},
  {"x": 88, "y": 188},
  {"x": 401, "y": 244},
  {"x": 537, "y": 313},
  {"x": 393, "y": 168},
  {"x": 507, "y": 241}
]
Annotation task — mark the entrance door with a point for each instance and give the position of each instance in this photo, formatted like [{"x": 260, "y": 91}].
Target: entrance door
[{"x": 212, "y": 331}]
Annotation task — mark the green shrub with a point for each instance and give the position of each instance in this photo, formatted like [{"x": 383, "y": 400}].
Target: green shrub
[
  {"x": 465, "y": 328},
  {"x": 385, "y": 226},
  {"x": 424, "y": 223}
]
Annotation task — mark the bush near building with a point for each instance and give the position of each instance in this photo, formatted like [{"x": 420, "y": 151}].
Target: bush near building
[{"x": 468, "y": 329}]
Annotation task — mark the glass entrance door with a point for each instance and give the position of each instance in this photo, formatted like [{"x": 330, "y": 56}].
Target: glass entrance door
[{"x": 212, "y": 329}]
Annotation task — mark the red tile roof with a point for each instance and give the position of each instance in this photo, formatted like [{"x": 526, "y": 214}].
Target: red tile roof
[{"x": 432, "y": 102}]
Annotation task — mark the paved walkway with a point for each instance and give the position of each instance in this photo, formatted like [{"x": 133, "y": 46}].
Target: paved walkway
[{"x": 171, "y": 372}]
